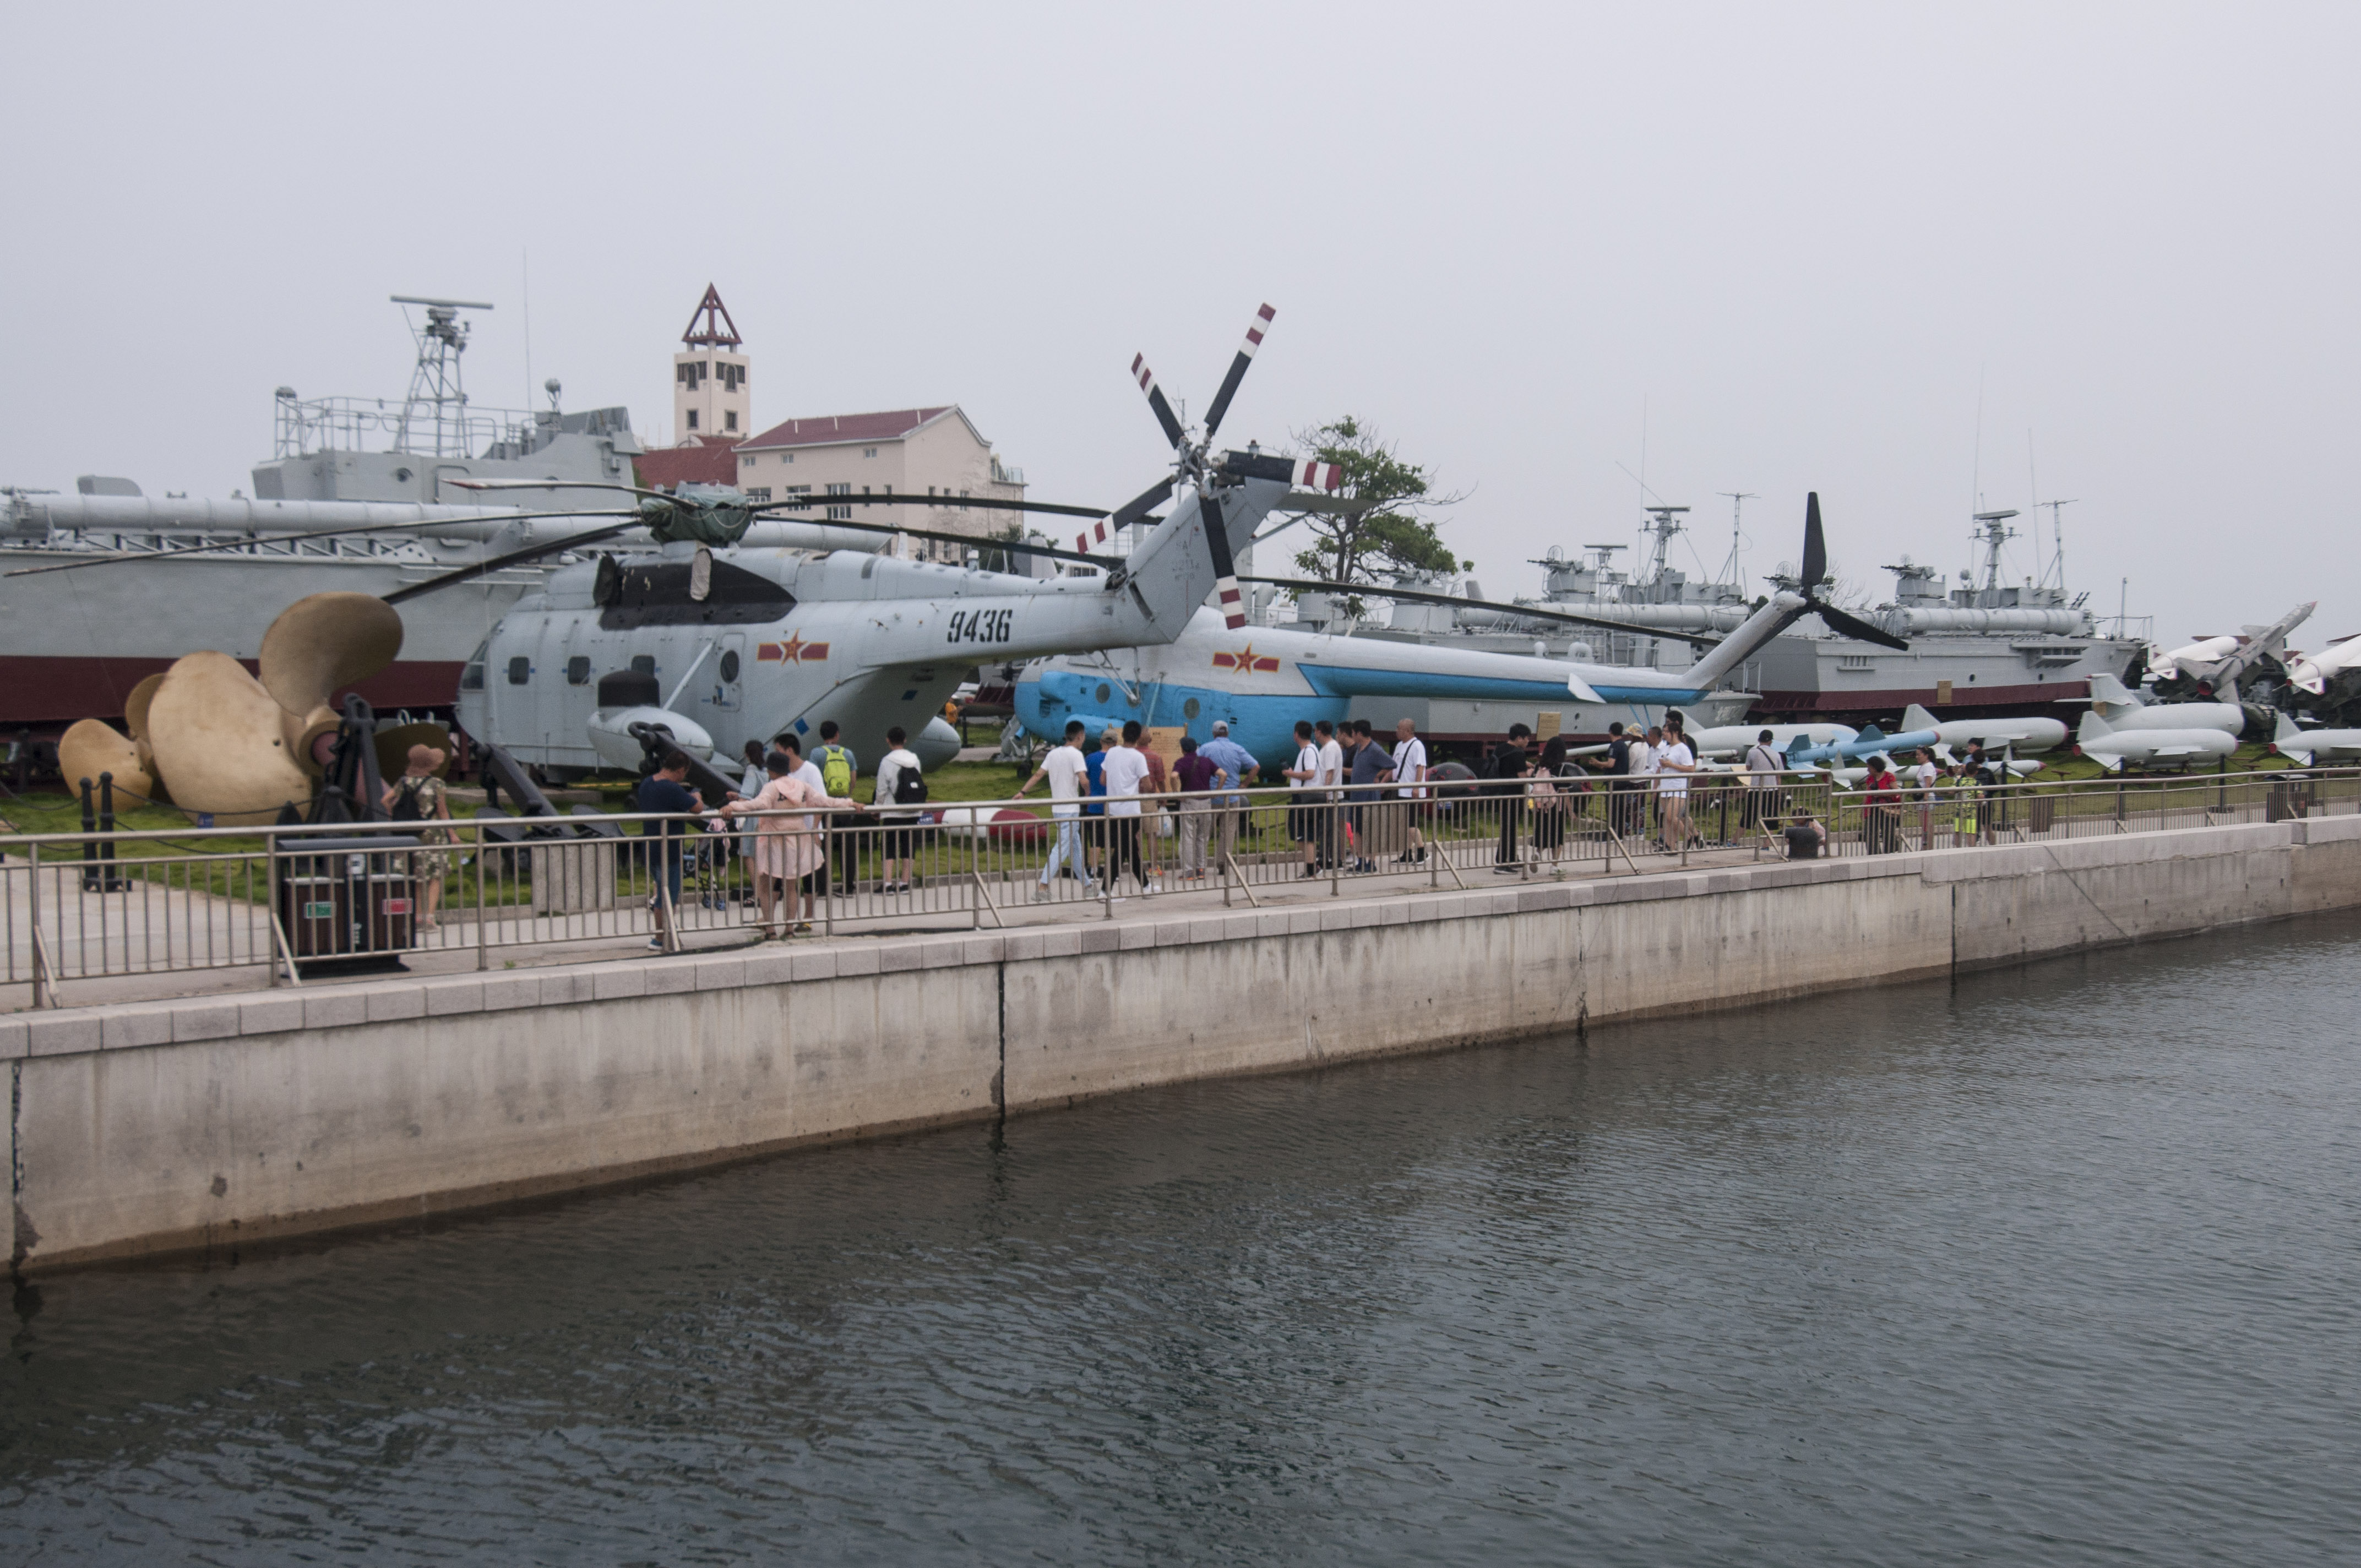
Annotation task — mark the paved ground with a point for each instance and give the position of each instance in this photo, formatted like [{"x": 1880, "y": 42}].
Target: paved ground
[{"x": 146, "y": 942}]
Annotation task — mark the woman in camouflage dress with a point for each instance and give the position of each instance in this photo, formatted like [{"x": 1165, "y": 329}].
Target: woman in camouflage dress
[{"x": 419, "y": 795}]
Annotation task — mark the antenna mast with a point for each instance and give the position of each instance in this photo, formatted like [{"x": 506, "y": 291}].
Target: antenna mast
[
  {"x": 435, "y": 383},
  {"x": 1737, "y": 500},
  {"x": 1667, "y": 524},
  {"x": 2057, "y": 533}
]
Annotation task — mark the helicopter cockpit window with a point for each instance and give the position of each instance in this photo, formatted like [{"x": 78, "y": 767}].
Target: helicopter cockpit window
[
  {"x": 520, "y": 670},
  {"x": 656, "y": 593},
  {"x": 577, "y": 670},
  {"x": 471, "y": 678}
]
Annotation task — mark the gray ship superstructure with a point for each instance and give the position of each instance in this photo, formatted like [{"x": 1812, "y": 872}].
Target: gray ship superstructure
[
  {"x": 1986, "y": 645},
  {"x": 73, "y": 644}
]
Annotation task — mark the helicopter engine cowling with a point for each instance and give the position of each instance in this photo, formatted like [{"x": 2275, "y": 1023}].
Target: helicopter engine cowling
[{"x": 612, "y": 737}]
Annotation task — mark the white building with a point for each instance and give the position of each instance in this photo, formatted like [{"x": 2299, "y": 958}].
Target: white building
[{"x": 935, "y": 452}]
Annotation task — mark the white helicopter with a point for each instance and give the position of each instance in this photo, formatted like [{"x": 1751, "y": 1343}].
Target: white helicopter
[{"x": 715, "y": 644}]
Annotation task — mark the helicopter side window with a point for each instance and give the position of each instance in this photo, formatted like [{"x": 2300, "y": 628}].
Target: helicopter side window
[
  {"x": 520, "y": 670},
  {"x": 577, "y": 670},
  {"x": 729, "y": 668},
  {"x": 643, "y": 663}
]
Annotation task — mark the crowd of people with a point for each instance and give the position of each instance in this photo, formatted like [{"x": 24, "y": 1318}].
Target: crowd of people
[{"x": 1355, "y": 806}]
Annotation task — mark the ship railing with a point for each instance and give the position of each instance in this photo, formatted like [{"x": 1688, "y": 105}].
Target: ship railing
[
  {"x": 90, "y": 916},
  {"x": 383, "y": 424}
]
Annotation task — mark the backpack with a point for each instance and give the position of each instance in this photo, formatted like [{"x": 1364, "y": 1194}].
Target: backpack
[
  {"x": 909, "y": 787},
  {"x": 836, "y": 771},
  {"x": 405, "y": 801}
]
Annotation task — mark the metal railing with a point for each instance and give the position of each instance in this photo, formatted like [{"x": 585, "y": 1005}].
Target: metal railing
[{"x": 293, "y": 902}]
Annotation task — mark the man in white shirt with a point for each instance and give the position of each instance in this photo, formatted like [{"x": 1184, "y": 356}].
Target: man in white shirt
[
  {"x": 900, "y": 839},
  {"x": 1923, "y": 780},
  {"x": 1763, "y": 765},
  {"x": 1410, "y": 773},
  {"x": 1302, "y": 818},
  {"x": 1674, "y": 763},
  {"x": 1125, "y": 771},
  {"x": 1068, "y": 777},
  {"x": 1332, "y": 773}
]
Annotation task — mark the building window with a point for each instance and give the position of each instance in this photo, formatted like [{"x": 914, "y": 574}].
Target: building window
[
  {"x": 729, "y": 419},
  {"x": 745, "y": 461},
  {"x": 787, "y": 457},
  {"x": 869, "y": 451},
  {"x": 759, "y": 493},
  {"x": 794, "y": 491},
  {"x": 839, "y": 514},
  {"x": 692, "y": 419}
]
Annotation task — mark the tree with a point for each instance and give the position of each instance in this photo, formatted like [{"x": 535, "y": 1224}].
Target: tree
[{"x": 1383, "y": 532}]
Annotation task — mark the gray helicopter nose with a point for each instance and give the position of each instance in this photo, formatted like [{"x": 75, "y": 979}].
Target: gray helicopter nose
[{"x": 937, "y": 743}]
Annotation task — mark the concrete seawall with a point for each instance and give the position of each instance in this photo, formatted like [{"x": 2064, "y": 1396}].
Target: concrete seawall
[{"x": 209, "y": 1123}]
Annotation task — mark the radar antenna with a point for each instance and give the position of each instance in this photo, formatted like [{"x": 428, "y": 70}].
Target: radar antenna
[{"x": 435, "y": 382}]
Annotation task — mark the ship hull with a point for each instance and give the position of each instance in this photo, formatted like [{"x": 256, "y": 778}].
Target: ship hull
[
  {"x": 1802, "y": 679},
  {"x": 72, "y": 644}
]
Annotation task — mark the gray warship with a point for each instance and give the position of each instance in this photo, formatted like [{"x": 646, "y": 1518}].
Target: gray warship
[
  {"x": 1986, "y": 646},
  {"x": 73, "y": 644}
]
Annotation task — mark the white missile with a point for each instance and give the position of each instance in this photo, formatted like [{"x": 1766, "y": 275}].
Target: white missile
[
  {"x": 2112, "y": 747},
  {"x": 2310, "y": 746},
  {"x": 2313, "y": 672},
  {"x": 2022, "y": 734},
  {"x": 2124, "y": 708}
]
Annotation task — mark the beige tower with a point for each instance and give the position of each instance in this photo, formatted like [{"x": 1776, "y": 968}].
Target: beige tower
[{"x": 709, "y": 378}]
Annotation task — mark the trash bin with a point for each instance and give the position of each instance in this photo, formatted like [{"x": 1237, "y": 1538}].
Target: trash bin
[
  {"x": 347, "y": 898},
  {"x": 2042, "y": 812}
]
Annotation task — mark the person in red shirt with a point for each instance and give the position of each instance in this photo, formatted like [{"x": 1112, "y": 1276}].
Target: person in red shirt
[{"x": 1881, "y": 806}]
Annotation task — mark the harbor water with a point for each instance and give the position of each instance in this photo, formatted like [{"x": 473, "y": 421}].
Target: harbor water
[{"x": 2057, "y": 1265}]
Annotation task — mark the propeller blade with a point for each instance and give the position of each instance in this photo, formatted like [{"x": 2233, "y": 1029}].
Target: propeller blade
[
  {"x": 1146, "y": 379},
  {"x": 513, "y": 558},
  {"x": 1815, "y": 549},
  {"x": 1225, "y": 569},
  {"x": 1255, "y": 330},
  {"x": 1857, "y": 629},
  {"x": 1694, "y": 640}
]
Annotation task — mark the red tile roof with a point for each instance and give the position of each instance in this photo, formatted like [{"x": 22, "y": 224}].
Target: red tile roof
[
  {"x": 831, "y": 429},
  {"x": 712, "y": 461}
]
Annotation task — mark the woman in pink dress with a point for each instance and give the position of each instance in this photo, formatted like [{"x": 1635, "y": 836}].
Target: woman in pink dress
[{"x": 788, "y": 849}]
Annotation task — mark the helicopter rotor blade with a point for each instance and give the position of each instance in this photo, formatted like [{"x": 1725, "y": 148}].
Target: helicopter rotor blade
[
  {"x": 513, "y": 558},
  {"x": 981, "y": 542},
  {"x": 1528, "y": 611},
  {"x": 947, "y": 503},
  {"x": 119, "y": 557},
  {"x": 1221, "y": 404},
  {"x": 1816, "y": 548},
  {"x": 1857, "y": 629},
  {"x": 1163, "y": 411},
  {"x": 556, "y": 485},
  {"x": 1225, "y": 569}
]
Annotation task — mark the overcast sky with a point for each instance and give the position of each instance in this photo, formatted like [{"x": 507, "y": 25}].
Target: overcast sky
[{"x": 1799, "y": 247}]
